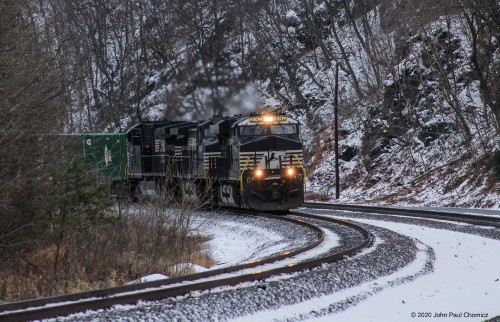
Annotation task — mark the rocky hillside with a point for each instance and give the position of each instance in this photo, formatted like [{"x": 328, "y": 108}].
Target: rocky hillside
[
  {"x": 425, "y": 139},
  {"x": 419, "y": 81}
]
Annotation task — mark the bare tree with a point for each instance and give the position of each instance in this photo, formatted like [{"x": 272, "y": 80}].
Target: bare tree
[
  {"x": 366, "y": 38},
  {"x": 482, "y": 19},
  {"x": 279, "y": 53},
  {"x": 31, "y": 101}
]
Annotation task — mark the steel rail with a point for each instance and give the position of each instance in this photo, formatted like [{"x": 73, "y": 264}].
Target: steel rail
[
  {"x": 419, "y": 213},
  {"x": 131, "y": 294},
  {"x": 102, "y": 293}
]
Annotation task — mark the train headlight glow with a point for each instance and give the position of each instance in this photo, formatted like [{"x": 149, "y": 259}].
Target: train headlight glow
[
  {"x": 259, "y": 173},
  {"x": 290, "y": 171},
  {"x": 268, "y": 118}
]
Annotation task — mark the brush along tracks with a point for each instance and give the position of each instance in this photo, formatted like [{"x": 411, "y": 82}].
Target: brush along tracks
[{"x": 252, "y": 271}]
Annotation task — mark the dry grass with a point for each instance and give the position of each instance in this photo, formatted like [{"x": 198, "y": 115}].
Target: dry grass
[{"x": 153, "y": 239}]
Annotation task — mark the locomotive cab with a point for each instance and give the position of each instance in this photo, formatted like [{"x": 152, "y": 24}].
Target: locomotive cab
[
  {"x": 272, "y": 174},
  {"x": 253, "y": 161}
]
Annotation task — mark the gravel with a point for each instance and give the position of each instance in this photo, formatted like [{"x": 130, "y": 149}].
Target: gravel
[{"x": 391, "y": 252}]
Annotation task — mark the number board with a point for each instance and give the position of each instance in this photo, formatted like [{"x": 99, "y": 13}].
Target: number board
[{"x": 275, "y": 118}]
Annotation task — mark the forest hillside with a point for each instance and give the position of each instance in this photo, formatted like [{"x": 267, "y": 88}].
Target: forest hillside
[{"x": 419, "y": 82}]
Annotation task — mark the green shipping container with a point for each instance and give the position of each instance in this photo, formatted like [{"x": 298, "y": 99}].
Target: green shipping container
[{"x": 107, "y": 152}]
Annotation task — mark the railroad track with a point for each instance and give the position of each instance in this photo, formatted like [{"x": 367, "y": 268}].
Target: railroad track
[
  {"x": 415, "y": 213},
  {"x": 92, "y": 300},
  {"x": 67, "y": 304}
]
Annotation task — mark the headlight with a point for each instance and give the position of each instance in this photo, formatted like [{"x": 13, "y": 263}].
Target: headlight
[
  {"x": 259, "y": 173},
  {"x": 268, "y": 118},
  {"x": 290, "y": 171}
]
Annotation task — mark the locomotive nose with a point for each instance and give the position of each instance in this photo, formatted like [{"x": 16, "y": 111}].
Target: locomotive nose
[{"x": 276, "y": 195}]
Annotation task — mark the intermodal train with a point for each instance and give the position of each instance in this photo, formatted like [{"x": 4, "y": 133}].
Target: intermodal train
[{"x": 248, "y": 161}]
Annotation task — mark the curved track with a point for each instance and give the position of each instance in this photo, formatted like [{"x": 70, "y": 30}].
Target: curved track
[
  {"x": 456, "y": 260},
  {"x": 67, "y": 304},
  {"x": 354, "y": 237},
  {"x": 428, "y": 214}
]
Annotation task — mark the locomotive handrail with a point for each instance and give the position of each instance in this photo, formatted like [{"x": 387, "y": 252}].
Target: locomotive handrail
[
  {"x": 302, "y": 166},
  {"x": 164, "y": 151},
  {"x": 241, "y": 174}
]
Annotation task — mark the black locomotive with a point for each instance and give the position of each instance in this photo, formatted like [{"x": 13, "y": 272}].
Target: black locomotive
[{"x": 253, "y": 161}]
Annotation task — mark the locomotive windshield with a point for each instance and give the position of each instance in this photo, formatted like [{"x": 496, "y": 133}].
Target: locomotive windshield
[
  {"x": 284, "y": 129},
  {"x": 259, "y": 130},
  {"x": 252, "y": 130}
]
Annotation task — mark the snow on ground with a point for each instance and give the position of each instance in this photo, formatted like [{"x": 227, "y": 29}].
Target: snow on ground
[
  {"x": 464, "y": 284},
  {"x": 150, "y": 278},
  {"x": 465, "y": 281},
  {"x": 298, "y": 311},
  {"x": 235, "y": 242}
]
